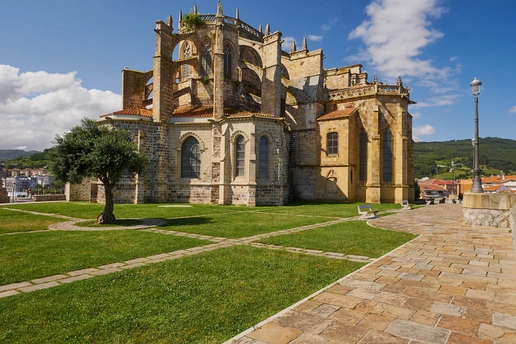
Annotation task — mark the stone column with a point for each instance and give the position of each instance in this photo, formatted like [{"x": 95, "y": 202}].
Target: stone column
[
  {"x": 163, "y": 73},
  {"x": 374, "y": 159},
  {"x": 271, "y": 80}
]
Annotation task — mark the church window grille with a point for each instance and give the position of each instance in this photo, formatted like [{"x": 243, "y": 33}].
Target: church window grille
[
  {"x": 190, "y": 158},
  {"x": 206, "y": 59},
  {"x": 228, "y": 59},
  {"x": 362, "y": 175},
  {"x": 332, "y": 143},
  {"x": 263, "y": 158},
  {"x": 187, "y": 52},
  {"x": 387, "y": 156},
  {"x": 240, "y": 156}
]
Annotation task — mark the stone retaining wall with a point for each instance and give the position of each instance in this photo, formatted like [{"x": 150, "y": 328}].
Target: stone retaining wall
[
  {"x": 491, "y": 210},
  {"x": 41, "y": 198}
]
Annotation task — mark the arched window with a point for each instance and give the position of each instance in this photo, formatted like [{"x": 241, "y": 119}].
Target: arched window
[
  {"x": 228, "y": 58},
  {"x": 187, "y": 52},
  {"x": 190, "y": 158},
  {"x": 206, "y": 59},
  {"x": 332, "y": 143},
  {"x": 263, "y": 158},
  {"x": 362, "y": 173},
  {"x": 240, "y": 155},
  {"x": 387, "y": 156}
]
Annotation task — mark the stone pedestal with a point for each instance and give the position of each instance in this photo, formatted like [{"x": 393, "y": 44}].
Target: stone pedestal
[{"x": 488, "y": 209}]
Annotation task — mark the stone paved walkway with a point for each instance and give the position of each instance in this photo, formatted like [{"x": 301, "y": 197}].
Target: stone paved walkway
[{"x": 453, "y": 284}]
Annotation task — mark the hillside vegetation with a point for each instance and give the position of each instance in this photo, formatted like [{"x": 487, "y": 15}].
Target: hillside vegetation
[{"x": 434, "y": 159}]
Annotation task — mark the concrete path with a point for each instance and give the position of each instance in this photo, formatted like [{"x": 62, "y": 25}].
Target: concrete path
[{"x": 453, "y": 284}]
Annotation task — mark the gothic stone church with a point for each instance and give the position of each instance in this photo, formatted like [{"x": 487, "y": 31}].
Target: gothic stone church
[{"x": 226, "y": 116}]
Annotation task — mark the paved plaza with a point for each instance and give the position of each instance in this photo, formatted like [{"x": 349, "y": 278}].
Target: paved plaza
[{"x": 453, "y": 284}]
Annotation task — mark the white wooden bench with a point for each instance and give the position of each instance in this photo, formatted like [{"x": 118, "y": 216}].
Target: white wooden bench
[
  {"x": 406, "y": 205},
  {"x": 366, "y": 212}
]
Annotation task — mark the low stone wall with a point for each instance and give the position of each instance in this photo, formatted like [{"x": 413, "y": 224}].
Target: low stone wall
[
  {"x": 488, "y": 209},
  {"x": 492, "y": 210},
  {"x": 41, "y": 198}
]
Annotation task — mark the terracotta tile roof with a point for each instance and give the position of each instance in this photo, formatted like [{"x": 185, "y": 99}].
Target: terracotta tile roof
[
  {"x": 337, "y": 114},
  {"x": 431, "y": 187},
  {"x": 207, "y": 111},
  {"x": 137, "y": 111}
]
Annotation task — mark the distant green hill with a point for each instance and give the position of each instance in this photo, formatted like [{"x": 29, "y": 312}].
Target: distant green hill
[
  {"x": 10, "y": 154},
  {"x": 495, "y": 154}
]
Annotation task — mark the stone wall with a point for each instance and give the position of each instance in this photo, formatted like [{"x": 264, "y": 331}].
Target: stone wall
[
  {"x": 489, "y": 209},
  {"x": 47, "y": 198}
]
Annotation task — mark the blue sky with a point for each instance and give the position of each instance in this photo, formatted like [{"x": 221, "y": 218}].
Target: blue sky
[{"x": 60, "y": 60}]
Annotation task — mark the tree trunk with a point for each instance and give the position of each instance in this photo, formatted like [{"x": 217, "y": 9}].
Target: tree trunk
[{"x": 107, "y": 216}]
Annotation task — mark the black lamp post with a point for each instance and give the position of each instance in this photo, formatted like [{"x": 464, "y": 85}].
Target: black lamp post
[
  {"x": 477, "y": 182},
  {"x": 452, "y": 178}
]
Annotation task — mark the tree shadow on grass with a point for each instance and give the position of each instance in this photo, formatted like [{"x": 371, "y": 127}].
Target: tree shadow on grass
[{"x": 186, "y": 221}]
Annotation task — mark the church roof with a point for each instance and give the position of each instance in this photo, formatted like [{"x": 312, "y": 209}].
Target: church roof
[
  {"x": 138, "y": 111},
  {"x": 207, "y": 111},
  {"x": 336, "y": 114}
]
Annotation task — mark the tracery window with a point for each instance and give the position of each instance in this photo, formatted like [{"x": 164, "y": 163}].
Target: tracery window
[
  {"x": 187, "y": 52},
  {"x": 363, "y": 141},
  {"x": 206, "y": 58},
  {"x": 228, "y": 58},
  {"x": 190, "y": 158},
  {"x": 387, "y": 156},
  {"x": 332, "y": 143},
  {"x": 263, "y": 158},
  {"x": 240, "y": 155}
]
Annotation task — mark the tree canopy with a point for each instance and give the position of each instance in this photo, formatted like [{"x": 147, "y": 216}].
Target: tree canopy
[{"x": 92, "y": 150}]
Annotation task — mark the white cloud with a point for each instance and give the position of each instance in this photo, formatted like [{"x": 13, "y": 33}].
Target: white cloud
[
  {"x": 425, "y": 130},
  {"x": 330, "y": 24},
  {"x": 513, "y": 109},
  {"x": 287, "y": 43},
  {"x": 35, "y": 106},
  {"x": 315, "y": 38},
  {"x": 396, "y": 33}
]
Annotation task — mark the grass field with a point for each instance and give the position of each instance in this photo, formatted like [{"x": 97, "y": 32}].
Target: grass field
[{"x": 208, "y": 297}]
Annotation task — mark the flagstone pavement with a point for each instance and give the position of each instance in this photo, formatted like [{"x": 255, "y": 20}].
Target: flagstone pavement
[{"x": 453, "y": 284}]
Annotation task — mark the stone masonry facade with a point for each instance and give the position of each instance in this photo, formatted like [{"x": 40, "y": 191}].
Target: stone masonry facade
[{"x": 225, "y": 116}]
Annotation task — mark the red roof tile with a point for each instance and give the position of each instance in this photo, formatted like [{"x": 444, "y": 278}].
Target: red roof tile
[
  {"x": 337, "y": 114},
  {"x": 137, "y": 111}
]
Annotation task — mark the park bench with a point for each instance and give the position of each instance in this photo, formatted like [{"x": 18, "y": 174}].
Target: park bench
[
  {"x": 366, "y": 212},
  {"x": 406, "y": 205},
  {"x": 429, "y": 201}
]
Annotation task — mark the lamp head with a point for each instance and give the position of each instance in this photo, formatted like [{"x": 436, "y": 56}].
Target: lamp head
[{"x": 475, "y": 86}]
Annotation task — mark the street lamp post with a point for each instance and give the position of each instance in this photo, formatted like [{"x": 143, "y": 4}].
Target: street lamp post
[
  {"x": 452, "y": 179},
  {"x": 477, "y": 182}
]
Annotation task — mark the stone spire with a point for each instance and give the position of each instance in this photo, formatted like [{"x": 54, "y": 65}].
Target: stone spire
[
  {"x": 267, "y": 29},
  {"x": 195, "y": 9},
  {"x": 305, "y": 45},
  {"x": 180, "y": 20},
  {"x": 399, "y": 83},
  {"x": 169, "y": 21},
  {"x": 219, "y": 9},
  {"x": 293, "y": 46},
  {"x": 260, "y": 28},
  {"x": 237, "y": 14}
]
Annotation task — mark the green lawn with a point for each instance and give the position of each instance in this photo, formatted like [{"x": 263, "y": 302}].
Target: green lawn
[
  {"x": 205, "y": 298},
  {"x": 351, "y": 237},
  {"x": 36, "y": 255},
  {"x": 14, "y": 221},
  {"x": 238, "y": 224}
]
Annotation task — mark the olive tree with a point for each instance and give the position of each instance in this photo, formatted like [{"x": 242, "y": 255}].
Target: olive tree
[{"x": 93, "y": 150}]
